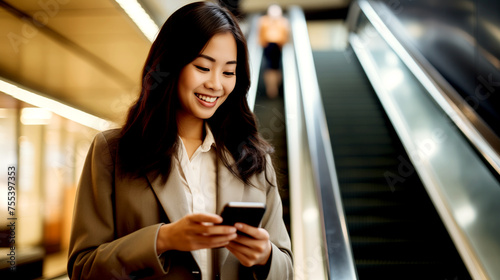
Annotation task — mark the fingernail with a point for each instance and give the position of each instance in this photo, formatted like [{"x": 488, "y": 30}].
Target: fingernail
[
  {"x": 239, "y": 226},
  {"x": 232, "y": 230}
]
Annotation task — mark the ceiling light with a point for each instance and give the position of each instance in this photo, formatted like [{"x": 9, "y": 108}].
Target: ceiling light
[
  {"x": 35, "y": 116},
  {"x": 140, "y": 17},
  {"x": 55, "y": 106}
]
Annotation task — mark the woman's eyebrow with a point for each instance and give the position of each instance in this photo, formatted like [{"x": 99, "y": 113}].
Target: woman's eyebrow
[{"x": 213, "y": 59}]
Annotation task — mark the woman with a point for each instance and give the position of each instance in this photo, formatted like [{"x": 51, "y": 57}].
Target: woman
[{"x": 149, "y": 193}]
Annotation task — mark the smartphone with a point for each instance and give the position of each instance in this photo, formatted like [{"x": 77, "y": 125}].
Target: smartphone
[{"x": 249, "y": 213}]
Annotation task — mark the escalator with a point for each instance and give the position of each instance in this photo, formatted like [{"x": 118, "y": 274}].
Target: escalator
[
  {"x": 403, "y": 185},
  {"x": 271, "y": 123},
  {"x": 394, "y": 229},
  {"x": 270, "y": 115}
]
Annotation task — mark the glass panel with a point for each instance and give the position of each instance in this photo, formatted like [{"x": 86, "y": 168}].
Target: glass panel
[{"x": 463, "y": 189}]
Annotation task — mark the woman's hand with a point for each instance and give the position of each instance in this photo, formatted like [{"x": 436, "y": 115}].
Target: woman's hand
[
  {"x": 194, "y": 232},
  {"x": 251, "y": 251}
]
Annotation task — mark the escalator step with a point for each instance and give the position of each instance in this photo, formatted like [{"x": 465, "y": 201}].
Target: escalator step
[
  {"x": 375, "y": 150},
  {"x": 350, "y": 162},
  {"x": 395, "y": 250},
  {"x": 366, "y": 189}
]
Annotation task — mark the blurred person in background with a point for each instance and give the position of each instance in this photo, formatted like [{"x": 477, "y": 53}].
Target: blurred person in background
[
  {"x": 273, "y": 34},
  {"x": 150, "y": 193}
]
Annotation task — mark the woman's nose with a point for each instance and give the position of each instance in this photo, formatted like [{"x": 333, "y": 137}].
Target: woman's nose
[{"x": 214, "y": 83}]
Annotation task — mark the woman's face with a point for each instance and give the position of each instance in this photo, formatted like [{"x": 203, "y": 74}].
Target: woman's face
[{"x": 206, "y": 82}]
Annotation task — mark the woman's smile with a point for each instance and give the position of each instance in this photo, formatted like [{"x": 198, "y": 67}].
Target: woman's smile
[{"x": 206, "y": 100}]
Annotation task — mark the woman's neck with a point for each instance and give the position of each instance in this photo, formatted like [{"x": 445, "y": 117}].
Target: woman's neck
[
  {"x": 191, "y": 131},
  {"x": 190, "y": 128}
]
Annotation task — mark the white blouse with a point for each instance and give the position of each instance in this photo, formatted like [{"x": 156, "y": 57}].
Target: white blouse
[{"x": 200, "y": 183}]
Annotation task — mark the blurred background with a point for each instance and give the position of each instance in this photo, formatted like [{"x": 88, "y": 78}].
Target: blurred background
[
  {"x": 71, "y": 68},
  {"x": 68, "y": 69}
]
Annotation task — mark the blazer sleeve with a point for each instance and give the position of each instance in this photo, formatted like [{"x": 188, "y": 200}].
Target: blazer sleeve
[
  {"x": 95, "y": 252},
  {"x": 281, "y": 266}
]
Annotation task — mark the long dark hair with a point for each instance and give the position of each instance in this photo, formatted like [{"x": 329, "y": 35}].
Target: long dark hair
[{"x": 149, "y": 137}]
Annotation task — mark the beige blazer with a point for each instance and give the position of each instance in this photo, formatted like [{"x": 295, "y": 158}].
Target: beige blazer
[{"x": 116, "y": 220}]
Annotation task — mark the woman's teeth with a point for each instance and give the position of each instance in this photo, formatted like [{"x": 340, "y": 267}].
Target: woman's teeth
[{"x": 206, "y": 98}]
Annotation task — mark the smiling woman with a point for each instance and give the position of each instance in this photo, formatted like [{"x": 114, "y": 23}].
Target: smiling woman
[
  {"x": 150, "y": 196},
  {"x": 204, "y": 85}
]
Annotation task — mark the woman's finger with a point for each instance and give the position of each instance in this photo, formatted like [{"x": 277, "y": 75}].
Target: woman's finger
[
  {"x": 215, "y": 240},
  {"x": 257, "y": 233},
  {"x": 238, "y": 251},
  {"x": 204, "y": 218},
  {"x": 203, "y": 229}
]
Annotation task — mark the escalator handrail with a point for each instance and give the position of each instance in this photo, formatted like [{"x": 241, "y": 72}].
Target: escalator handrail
[
  {"x": 255, "y": 58},
  {"x": 440, "y": 90},
  {"x": 339, "y": 254}
]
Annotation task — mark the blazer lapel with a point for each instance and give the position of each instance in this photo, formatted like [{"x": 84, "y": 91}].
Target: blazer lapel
[
  {"x": 171, "y": 194},
  {"x": 229, "y": 188}
]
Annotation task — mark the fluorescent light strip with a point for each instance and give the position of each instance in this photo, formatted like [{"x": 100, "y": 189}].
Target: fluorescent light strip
[
  {"x": 142, "y": 19},
  {"x": 55, "y": 107},
  {"x": 35, "y": 116}
]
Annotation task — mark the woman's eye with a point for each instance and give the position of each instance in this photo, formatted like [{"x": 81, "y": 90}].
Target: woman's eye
[
  {"x": 202, "y": 68},
  {"x": 229, "y": 73}
]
